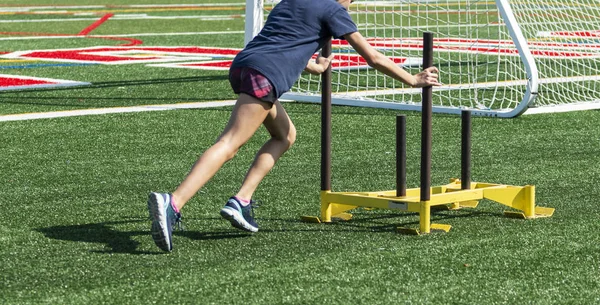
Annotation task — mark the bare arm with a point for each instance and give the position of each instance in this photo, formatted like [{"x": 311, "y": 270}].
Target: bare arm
[
  {"x": 319, "y": 65},
  {"x": 382, "y": 63}
]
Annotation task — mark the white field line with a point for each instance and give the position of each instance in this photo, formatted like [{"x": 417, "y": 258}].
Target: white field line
[
  {"x": 563, "y": 108},
  {"x": 47, "y": 7},
  {"x": 186, "y": 5},
  {"x": 120, "y": 35},
  {"x": 497, "y": 84},
  {"x": 128, "y": 17},
  {"x": 98, "y": 111}
]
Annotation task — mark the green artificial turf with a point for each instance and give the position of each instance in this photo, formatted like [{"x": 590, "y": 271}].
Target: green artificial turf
[{"x": 75, "y": 228}]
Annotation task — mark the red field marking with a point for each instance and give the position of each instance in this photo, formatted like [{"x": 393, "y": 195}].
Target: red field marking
[
  {"x": 356, "y": 61},
  {"x": 340, "y": 62},
  {"x": 131, "y": 41},
  {"x": 126, "y": 55},
  {"x": 96, "y": 24},
  {"x": 192, "y": 57},
  {"x": 538, "y": 44},
  {"x": 210, "y": 65},
  {"x": 14, "y": 82},
  {"x": 478, "y": 46}
]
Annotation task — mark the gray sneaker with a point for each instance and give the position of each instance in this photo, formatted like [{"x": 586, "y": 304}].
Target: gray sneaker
[
  {"x": 164, "y": 218},
  {"x": 240, "y": 217}
]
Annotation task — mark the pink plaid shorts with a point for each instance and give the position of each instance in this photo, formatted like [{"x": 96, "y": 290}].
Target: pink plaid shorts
[{"x": 249, "y": 81}]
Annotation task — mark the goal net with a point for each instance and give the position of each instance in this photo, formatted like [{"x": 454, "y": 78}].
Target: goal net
[{"x": 496, "y": 58}]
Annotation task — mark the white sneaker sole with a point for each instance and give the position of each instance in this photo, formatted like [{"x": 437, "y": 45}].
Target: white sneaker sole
[
  {"x": 160, "y": 227},
  {"x": 237, "y": 220}
]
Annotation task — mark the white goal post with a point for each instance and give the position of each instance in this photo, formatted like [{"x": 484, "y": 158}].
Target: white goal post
[{"x": 497, "y": 58}]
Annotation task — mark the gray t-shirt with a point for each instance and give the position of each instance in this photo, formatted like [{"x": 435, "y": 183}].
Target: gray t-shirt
[{"x": 294, "y": 31}]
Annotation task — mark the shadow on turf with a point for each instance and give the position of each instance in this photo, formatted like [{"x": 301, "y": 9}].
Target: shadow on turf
[
  {"x": 101, "y": 233},
  {"x": 122, "y": 241},
  {"x": 378, "y": 223},
  {"x": 385, "y": 223},
  {"x": 212, "y": 235}
]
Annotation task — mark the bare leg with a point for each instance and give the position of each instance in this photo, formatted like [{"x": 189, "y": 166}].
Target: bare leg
[
  {"x": 283, "y": 135},
  {"x": 247, "y": 116}
]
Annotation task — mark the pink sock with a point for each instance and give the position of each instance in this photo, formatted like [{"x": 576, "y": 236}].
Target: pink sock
[
  {"x": 173, "y": 205},
  {"x": 244, "y": 202}
]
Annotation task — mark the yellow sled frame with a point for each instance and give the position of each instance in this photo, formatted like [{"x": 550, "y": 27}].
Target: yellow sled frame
[
  {"x": 455, "y": 195},
  {"x": 449, "y": 196}
]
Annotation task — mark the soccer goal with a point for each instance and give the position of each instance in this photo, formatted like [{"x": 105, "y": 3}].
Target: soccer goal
[{"x": 496, "y": 58}]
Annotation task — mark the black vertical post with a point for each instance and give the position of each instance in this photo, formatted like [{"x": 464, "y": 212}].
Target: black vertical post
[
  {"x": 465, "y": 150},
  {"x": 400, "y": 156},
  {"x": 426, "y": 114},
  {"x": 326, "y": 123}
]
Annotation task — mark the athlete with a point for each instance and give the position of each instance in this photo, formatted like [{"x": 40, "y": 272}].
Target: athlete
[{"x": 264, "y": 70}]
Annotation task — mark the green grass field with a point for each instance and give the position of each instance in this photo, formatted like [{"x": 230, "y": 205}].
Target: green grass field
[{"x": 75, "y": 228}]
